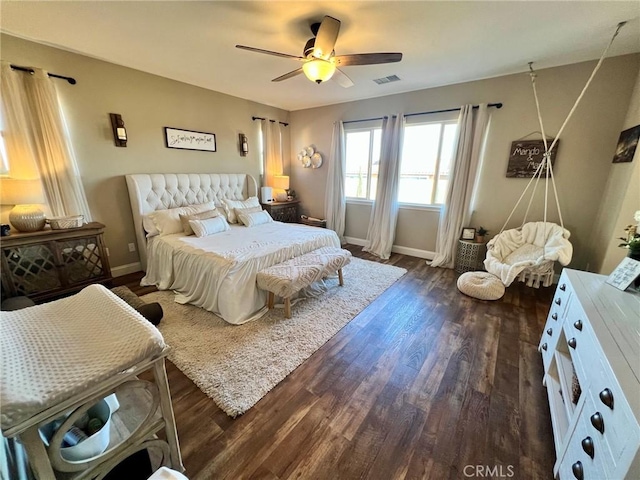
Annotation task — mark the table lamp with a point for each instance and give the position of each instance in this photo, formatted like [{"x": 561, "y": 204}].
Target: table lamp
[
  {"x": 27, "y": 196},
  {"x": 281, "y": 182}
]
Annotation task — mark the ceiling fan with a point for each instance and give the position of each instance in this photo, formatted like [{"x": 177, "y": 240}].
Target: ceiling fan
[{"x": 320, "y": 62}]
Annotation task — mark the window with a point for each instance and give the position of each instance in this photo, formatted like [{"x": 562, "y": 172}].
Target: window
[
  {"x": 427, "y": 153},
  {"x": 363, "y": 160}
]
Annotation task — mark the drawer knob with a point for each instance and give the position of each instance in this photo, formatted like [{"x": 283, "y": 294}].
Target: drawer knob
[
  {"x": 598, "y": 422},
  {"x": 572, "y": 343},
  {"x": 563, "y": 287},
  {"x": 578, "y": 324},
  {"x": 576, "y": 468},
  {"x": 554, "y": 316},
  {"x": 549, "y": 331},
  {"x": 587, "y": 446},
  {"x": 606, "y": 397},
  {"x": 558, "y": 301}
]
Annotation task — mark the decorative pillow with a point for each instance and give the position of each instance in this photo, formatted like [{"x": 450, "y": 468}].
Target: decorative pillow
[
  {"x": 238, "y": 211},
  {"x": 184, "y": 219},
  {"x": 149, "y": 226},
  {"x": 255, "y": 218},
  {"x": 210, "y": 226},
  {"x": 168, "y": 221},
  {"x": 231, "y": 205}
]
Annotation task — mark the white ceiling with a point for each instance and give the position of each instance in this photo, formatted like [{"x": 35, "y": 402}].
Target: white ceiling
[{"x": 442, "y": 42}]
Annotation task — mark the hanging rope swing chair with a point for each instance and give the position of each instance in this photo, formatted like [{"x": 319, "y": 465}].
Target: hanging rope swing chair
[{"x": 528, "y": 253}]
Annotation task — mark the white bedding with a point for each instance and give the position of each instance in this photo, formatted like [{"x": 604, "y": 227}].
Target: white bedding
[{"x": 218, "y": 272}]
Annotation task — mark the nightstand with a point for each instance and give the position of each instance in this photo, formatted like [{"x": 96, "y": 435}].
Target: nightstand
[
  {"x": 51, "y": 263},
  {"x": 286, "y": 212},
  {"x": 469, "y": 256}
]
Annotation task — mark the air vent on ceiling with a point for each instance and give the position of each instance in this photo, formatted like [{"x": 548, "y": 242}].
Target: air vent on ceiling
[{"x": 389, "y": 79}]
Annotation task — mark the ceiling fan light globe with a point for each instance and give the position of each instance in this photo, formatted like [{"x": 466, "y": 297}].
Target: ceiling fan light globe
[{"x": 318, "y": 70}]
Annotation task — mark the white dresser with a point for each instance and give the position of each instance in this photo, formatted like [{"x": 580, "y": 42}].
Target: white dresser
[{"x": 593, "y": 329}]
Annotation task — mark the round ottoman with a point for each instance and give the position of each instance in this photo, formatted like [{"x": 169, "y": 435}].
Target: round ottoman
[{"x": 481, "y": 285}]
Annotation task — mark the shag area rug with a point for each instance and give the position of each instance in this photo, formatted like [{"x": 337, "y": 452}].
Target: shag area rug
[{"x": 236, "y": 365}]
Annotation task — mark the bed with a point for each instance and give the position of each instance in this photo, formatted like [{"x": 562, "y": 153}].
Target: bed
[{"x": 217, "y": 272}]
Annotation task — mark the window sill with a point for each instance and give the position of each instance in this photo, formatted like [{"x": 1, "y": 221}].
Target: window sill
[{"x": 402, "y": 206}]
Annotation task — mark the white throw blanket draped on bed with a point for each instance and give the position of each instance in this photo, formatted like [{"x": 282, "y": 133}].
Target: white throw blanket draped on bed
[
  {"x": 218, "y": 272},
  {"x": 510, "y": 252}
]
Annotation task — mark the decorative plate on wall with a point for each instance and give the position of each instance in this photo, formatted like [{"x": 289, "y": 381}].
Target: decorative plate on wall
[
  {"x": 316, "y": 160},
  {"x": 306, "y": 161},
  {"x": 310, "y": 150}
]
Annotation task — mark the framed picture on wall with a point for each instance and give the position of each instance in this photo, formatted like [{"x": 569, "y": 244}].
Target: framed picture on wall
[
  {"x": 189, "y": 140},
  {"x": 627, "y": 144}
]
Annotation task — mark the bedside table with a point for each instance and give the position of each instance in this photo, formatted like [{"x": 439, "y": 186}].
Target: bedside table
[{"x": 286, "y": 212}]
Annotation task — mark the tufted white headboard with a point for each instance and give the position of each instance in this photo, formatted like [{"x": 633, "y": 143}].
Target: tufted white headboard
[{"x": 158, "y": 191}]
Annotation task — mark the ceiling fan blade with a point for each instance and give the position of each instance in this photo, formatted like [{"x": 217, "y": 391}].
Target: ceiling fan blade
[
  {"x": 269, "y": 52},
  {"x": 367, "y": 59},
  {"x": 286, "y": 76},
  {"x": 342, "y": 79},
  {"x": 326, "y": 38}
]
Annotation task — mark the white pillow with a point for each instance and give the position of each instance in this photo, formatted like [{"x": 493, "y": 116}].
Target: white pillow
[
  {"x": 184, "y": 219},
  {"x": 168, "y": 221},
  {"x": 255, "y": 218},
  {"x": 231, "y": 205},
  {"x": 149, "y": 226},
  {"x": 210, "y": 226},
  {"x": 238, "y": 211}
]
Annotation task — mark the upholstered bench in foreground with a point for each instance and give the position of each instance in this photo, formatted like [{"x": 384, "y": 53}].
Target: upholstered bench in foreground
[{"x": 288, "y": 278}]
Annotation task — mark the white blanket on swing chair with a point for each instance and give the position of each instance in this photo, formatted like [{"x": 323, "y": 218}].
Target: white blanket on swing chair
[{"x": 510, "y": 252}]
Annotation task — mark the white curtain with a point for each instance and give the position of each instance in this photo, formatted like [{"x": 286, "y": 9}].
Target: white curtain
[
  {"x": 456, "y": 212},
  {"x": 335, "y": 200},
  {"x": 34, "y": 123},
  {"x": 272, "y": 138},
  {"x": 384, "y": 216}
]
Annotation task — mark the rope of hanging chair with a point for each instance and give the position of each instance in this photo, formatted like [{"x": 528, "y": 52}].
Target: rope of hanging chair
[{"x": 547, "y": 155}]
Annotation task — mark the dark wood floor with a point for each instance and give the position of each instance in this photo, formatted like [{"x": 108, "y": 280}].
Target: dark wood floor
[{"x": 422, "y": 383}]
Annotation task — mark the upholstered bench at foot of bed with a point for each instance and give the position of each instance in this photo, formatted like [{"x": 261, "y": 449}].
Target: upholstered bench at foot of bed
[{"x": 288, "y": 278}]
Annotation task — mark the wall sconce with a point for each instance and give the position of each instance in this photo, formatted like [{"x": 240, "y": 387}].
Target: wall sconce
[
  {"x": 119, "y": 132},
  {"x": 244, "y": 145}
]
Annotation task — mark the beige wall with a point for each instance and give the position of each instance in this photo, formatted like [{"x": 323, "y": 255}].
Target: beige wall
[
  {"x": 147, "y": 103},
  {"x": 621, "y": 200},
  {"x": 582, "y": 165}
]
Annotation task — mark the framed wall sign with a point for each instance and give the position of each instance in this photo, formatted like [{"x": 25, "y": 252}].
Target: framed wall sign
[
  {"x": 625, "y": 273},
  {"x": 526, "y": 155},
  {"x": 189, "y": 140}
]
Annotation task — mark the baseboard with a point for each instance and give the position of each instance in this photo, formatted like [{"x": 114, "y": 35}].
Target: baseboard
[
  {"x": 413, "y": 252},
  {"x": 121, "y": 270}
]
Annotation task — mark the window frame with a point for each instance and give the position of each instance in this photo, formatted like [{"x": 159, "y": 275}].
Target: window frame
[
  {"x": 371, "y": 129},
  {"x": 443, "y": 122}
]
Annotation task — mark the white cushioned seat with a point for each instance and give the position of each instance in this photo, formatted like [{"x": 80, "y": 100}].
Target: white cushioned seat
[
  {"x": 481, "y": 285},
  {"x": 287, "y": 278}
]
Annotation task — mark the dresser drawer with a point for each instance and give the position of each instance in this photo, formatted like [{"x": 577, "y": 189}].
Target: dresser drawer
[
  {"x": 621, "y": 431},
  {"x": 576, "y": 456},
  {"x": 555, "y": 319}
]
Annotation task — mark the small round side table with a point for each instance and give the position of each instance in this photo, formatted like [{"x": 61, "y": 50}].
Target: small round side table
[{"x": 469, "y": 256}]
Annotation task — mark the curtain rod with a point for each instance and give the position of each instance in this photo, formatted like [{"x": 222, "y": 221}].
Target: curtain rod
[
  {"x": 497, "y": 105},
  {"x": 272, "y": 121},
  {"x": 71, "y": 80}
]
